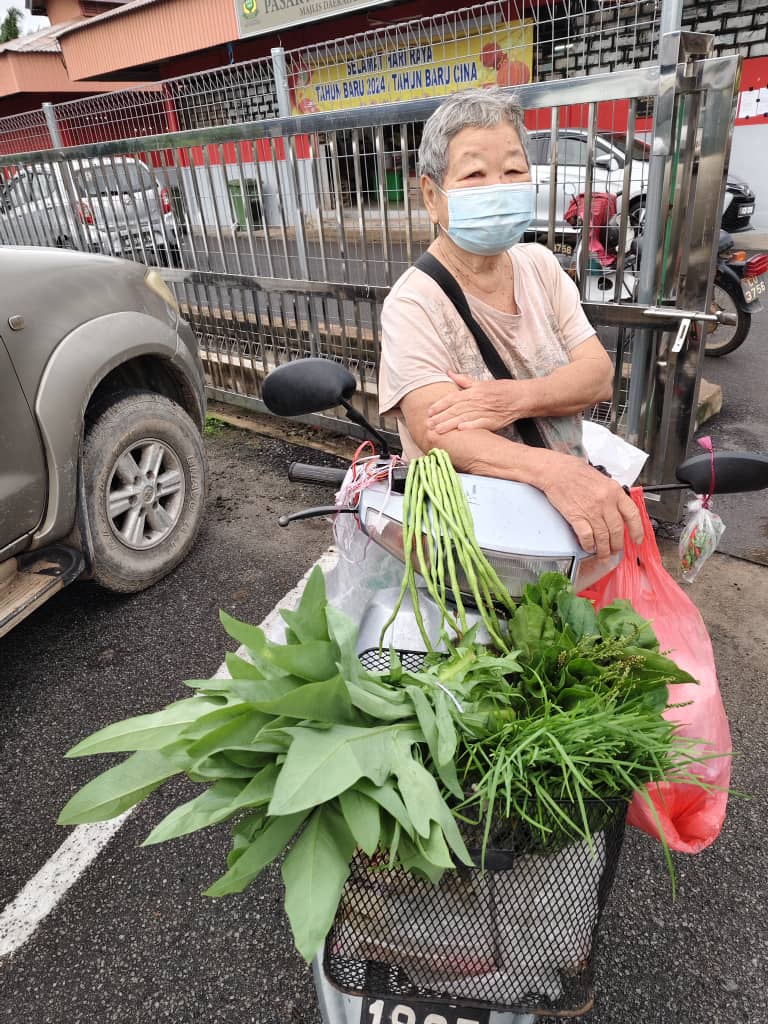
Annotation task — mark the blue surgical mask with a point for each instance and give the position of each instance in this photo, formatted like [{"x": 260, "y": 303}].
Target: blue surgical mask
[{"x": 488, "y": 219}]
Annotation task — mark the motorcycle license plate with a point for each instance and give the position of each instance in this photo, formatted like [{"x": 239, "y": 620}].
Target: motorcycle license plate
[
  {"x": 753, "y": 288},
  {"x": 747, "y": 211},
  {"x": 394, "y": 1011}
]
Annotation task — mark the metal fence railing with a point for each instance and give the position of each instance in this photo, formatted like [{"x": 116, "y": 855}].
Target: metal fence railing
[
  {"x": 283, "y": 237},
  {"x": 509, "y": 42}
]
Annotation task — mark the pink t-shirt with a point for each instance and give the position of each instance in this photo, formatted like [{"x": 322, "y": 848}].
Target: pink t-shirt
[{"x": 423, "y": 337}]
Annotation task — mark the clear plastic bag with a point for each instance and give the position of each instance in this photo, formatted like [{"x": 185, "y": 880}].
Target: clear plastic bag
[{"x": 701, "y": 534}]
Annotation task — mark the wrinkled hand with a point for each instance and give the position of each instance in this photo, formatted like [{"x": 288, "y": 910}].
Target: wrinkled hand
[
  {"x": 596, "y": 507},
  {"x": 477, "y": 405}
]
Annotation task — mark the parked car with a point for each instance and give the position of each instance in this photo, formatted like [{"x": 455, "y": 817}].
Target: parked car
[
  {"x": 610, "y": 159},
  {"x": 115, "y": 207},
  {"x": 102, "y": 404}
]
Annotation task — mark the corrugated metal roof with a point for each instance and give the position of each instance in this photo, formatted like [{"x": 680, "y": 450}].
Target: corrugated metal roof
[
  {"x": 147, "y": 32},
  {"x": 126, "y": 8},
  {"x": 45, "y": 40}
]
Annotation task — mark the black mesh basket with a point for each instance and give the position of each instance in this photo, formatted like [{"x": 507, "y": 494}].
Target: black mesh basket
[{"x": 516, "y": 936}]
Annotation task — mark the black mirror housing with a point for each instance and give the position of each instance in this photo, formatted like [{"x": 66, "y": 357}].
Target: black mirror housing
[
  {"x": 734, "y": 473},
  {"x": 306, "y": 386}
]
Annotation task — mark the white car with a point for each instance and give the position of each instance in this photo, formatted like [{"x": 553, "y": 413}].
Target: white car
[
  {"x": 610, "y": 160},
  {"x": 115, "y": 207}
]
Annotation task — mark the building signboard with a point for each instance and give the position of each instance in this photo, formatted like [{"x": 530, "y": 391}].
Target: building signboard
[
  {"x": 255, "y": 17},
  {"x": 503, "y": 56}
]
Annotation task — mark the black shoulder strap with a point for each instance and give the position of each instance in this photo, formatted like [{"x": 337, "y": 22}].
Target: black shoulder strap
[{"x": 527, "y": 428}]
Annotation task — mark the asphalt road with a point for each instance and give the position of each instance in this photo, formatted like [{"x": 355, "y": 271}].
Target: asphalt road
[
  {"x": 134, "y": 941},
  {"x": 743, "y": 424}
]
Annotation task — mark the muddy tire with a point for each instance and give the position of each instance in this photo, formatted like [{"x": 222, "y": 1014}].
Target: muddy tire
[{"x": 144, "y": 475}]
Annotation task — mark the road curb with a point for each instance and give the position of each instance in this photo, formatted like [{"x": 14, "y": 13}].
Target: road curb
[{"x": 710, "y": 402}]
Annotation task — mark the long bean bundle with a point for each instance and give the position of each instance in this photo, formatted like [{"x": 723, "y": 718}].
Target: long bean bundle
[{"x": 439, "y": 542}]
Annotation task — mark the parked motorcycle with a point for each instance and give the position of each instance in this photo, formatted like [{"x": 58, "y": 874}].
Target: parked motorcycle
[
  {"x": 738, "y": 284},
  {"x": 525, "y": 536}
]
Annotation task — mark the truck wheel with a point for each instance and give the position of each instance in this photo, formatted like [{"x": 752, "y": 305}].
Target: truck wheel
[{"x": 144, "y": 475}]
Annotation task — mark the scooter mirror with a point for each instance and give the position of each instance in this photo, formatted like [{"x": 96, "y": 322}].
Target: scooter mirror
[
  {"x": 305, "y": 386},
  {"x": 733, "y": 473}
]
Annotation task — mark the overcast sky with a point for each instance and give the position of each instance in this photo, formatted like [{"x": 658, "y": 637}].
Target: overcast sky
[{"x": 29, "y": 24}]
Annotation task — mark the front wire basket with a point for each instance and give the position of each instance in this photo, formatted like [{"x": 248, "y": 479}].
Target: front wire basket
[{"x": 516, "y": 936}]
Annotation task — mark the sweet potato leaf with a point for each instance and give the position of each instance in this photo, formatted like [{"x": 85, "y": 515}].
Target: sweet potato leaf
[
  {"x": 387, "y": 797},
  {"x": 326, "y": 701},
  {"x": 123, "y": 786},
  {"x": 312, "y": 661},
  {"x": 241, "y": 668},
  {"x": 238, "y": 731},
  {"x": 418, "y": 789},
  {"x": 146, "y": 732},
  {"x": 224, "y": 799},
  {"x": 314, "y": 873},
  {"x": 434, "y": 848},
  {"x": 307, "y": 622},
  {"x": 268, "y": 843},
  {"x": 264, "y": 689},
  {"x": 413, "y": 860},
  {"x": 321, "y": 764},
  {"x": 209, "y": 722},
  {"x": 363, "y": 819},
  {"x": 209, "y": 808}
]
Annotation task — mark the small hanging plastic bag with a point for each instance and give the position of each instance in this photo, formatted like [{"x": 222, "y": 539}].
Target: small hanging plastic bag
[
  {"x": 701, "y": 534},
  {"x": 703, "y": 527}
]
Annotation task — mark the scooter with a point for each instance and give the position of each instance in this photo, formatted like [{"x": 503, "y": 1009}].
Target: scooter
[
  {"x": 525, "y": 537},
  {"x": 738, "y": 284}
]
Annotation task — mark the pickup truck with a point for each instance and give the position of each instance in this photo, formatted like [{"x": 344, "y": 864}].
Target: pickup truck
[{"x": 102, "y": 407}]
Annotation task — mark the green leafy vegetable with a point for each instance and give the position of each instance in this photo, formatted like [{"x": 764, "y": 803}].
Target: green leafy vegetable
[{"x": 311, "y": 755}]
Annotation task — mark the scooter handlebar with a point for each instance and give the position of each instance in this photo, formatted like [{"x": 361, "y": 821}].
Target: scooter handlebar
[{"x": 303, "y": 473}]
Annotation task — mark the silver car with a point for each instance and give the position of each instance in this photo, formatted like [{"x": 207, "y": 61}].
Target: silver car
[
  {"x": 102, "y": 405},
  {"x": 611, "y": 154},
  {"x": 114, "y": 206}
]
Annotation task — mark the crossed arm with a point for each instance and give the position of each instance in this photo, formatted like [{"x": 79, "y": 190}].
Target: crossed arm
[{"x": 463, "y": 418}]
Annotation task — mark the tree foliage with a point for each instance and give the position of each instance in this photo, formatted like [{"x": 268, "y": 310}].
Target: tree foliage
[{"x": 10, "y": 27}]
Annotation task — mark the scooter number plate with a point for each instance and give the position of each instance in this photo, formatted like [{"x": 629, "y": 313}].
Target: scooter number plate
[
  {"x": 753, "y": 288},
  {"x": 394, "y": 1011}
]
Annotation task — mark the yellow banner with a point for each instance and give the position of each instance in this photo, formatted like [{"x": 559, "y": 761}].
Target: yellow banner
[{"x": 504, "y": 57}]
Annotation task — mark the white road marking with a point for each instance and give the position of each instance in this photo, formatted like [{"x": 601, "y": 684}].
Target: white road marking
[
  {"x": 40, "y": 895},
  {"x": 22, "y": 916}
]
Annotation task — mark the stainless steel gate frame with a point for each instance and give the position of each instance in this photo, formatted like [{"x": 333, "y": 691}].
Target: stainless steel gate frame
[
  {"x": 690, "y": 152},
  {"x": 267, "y": 292}
]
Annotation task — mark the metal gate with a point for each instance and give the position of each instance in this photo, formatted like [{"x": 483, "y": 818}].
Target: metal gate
[{"x": 281, "y": 237}]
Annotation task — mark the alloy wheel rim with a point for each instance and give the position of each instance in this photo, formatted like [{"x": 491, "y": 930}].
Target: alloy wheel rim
[{"x": 145, "y": 494}]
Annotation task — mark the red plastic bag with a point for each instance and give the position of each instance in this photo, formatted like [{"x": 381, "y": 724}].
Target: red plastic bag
[{"x": 691, "y": 818}]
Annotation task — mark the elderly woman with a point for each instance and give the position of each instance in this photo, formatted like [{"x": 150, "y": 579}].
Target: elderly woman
[{"x": 476, "y": 184}]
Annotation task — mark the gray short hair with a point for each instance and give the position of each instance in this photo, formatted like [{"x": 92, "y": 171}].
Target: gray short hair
[{"x": 471, "y": 108}]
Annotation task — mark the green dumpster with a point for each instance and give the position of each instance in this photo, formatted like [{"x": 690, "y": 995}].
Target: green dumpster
[
  {"x": 238, "y": 206},
  {"x": 394, "y": 186},
  {"x": 238, "y": 203}
]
